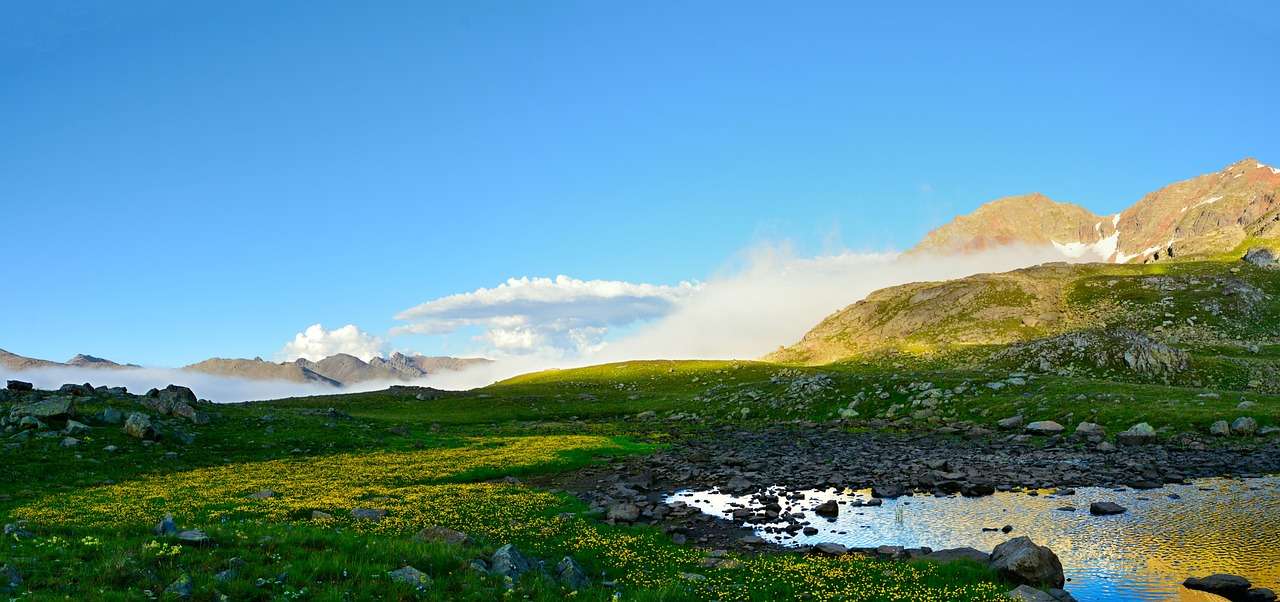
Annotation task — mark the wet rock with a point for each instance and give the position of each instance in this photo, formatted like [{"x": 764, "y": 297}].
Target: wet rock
[
  {"x": 139, "y": 426},
  {"x": 1044, "y": 427},
  {"x": 1244, "y": 426},
  {"x": 410, "y": 576},
  {"x": 1106, "y": 508},
  {"x": 887, "y": 491},
  {"x": 1022, "y": 561},
  {"x": 443, "y": 535},
  {"x": 828, "y": 508},
  {"x": 1231, "y": 587},
  {"x": 570, "y": 574}
]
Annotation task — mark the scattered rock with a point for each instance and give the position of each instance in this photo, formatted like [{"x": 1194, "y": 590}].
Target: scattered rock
[
  {"x": 443, "y": 535},
  {"x": 570, "y": 574},
  {"x": 411, "y": 576},
  {"x": 371, "y": 514},
  {"x": 887, "y": 491},
  {"x": 1244, "y": 426},
  {"x": 508, "y": 562},
  {"x": 827, "y": 508},
  {"x": 139, "y": 426},
  {"x": 1231, "y": 587},
  {"x": 182, "y": 587},
  {"x": 1261, "y": 257},
  {"x": 1106, "y": 508},
  {"x": 1138, "y": 434},
  {"x": 1044, "y": 427},
  {"x": 1022, "y": 561},
  {"x": 1090, "y": 430},
  {"x": 1220, "y": 429},
  {"x": 624, "y": 512},
  {"x": 1010, "y": 423}
]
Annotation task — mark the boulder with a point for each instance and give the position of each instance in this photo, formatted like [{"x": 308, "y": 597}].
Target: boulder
[
  {"x": 887, "y": 491},
  {"x": 139, "y": 426},
  {"x": 1220, "y": 429},
  {"x": 58, "y": 407},
  {"x": 1231, "y": 587},
  {"x": 1138, "y": 434},
  {"x": 624, "y": 512},
  {"x": 411, "y": 576},
  {"x": 19, "y": 385},
  {"x": 508, "y": 562},
  {"x": 166, "y": 526},
  {"x": 445, "y": 535},
  {"x": 193, "y": 537},
  {"x": 182, "y": 587},
  {"x": 1010, "y": 423},
  {"x": 370, "y": 514},
  {"x": 10, "y": 578},
  {"x": 1020, "y": 560},
  {"x": 110, "y": 416},
  {"x": 1261, "y": 257},
  {"x": 827, "y": 508},
  {"x": 953, "y": 554},
  {"x": 1244, "y": 426},
  {"x": 1044, "y": 427},
  {"x": 831, "y": 549},
  {"x": 1090, "y": 430},
  {"x": 570, "y": 574},
  {"x": 84, "y": 390},
  {"x": 1027, "y": 593},
  {"x": 1106, "y": 508},
  {"x": 75, "y": 429}
]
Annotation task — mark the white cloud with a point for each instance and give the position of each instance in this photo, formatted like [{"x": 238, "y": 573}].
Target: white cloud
[
  {"x": 315, "y": 343},
  {"x": 559, "y": 316}
]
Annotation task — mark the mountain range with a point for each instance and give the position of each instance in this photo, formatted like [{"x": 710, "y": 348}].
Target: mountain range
[
  {"x": 336, "y": 370},
  {"x": 1206, "y": 215}
]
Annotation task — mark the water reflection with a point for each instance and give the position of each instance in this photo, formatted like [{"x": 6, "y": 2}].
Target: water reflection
[{"x": 1168, "y": 534}]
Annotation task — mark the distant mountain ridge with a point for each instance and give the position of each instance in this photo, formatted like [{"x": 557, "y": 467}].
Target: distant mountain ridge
[
  {"x": 336, "y": 370},
  {"x": 1206, "y": 215}
]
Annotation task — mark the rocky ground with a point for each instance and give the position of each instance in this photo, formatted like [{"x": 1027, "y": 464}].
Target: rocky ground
[{"x": 748, "y": 462}]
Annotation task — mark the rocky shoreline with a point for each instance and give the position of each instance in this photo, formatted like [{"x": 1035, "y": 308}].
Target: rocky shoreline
[{"x": 747, "y": 463}]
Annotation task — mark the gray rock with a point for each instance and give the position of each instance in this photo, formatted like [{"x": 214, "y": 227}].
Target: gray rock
[
  {"x": 10, "y": 578},
  {"x": 831, "y": 549},
  {"x": 50, "y": 408},
  {"x": 1020, "y": 560},
  {"x": 1010, "y": 423},
  {"x": 182, "y": 587},
  {"x": 75, "y": 429},
  {"x": 1244, "y": 426},
  {"x": 1031, "y": 594},
  {"x": 953, "y": 554},
  {"x": 888, "y": 491},
  {"x": 69, "y": 442},
  {"x": 1220, "y": 429},
  {"x": 111, "y": 416},
  {"x": 1138, "y": 434},
  {"x": 443, "y": 535},
  {"x": 1044, "y": 427},
  {"x": 193, "y": 537},
  {"x": 1090, "y": 430},
  {"x": 19, "y": 385},
  {"x": 411, "y": 576},
  {"x": 166, "y": 526},
  {"x": 263, "y": 495},
  {"x": 139, "y": 426},
  {"x": 1261, "y": 257},
  {"x": 370, "y": 514},
  {"x": 570, "y": 574},
  {"x": 508, "y": 562},
  {"x": 624, "y": 512},
  {"x": 1106, "y": 508}
]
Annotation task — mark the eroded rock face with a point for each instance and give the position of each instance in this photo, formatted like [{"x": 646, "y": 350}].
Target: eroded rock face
[
  {"x": 1116, "y": 348},
  {"x": 1022, "y": 561}
]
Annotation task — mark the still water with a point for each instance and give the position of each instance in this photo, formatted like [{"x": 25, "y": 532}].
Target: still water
[{"x": 1168, "y": 534}]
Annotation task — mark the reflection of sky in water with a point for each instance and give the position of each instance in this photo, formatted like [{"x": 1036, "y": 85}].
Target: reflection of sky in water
[{"x": 1217, "y": 526}]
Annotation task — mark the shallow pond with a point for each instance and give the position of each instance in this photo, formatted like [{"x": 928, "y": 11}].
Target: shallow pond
[{"x": 1167, "y": 534}]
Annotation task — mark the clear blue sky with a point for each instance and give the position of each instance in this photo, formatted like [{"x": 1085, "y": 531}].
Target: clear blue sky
[{"x": 186, "y": 179}]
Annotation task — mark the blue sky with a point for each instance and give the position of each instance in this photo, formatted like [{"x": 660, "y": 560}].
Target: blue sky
[{"x": 184, "y": 180}]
